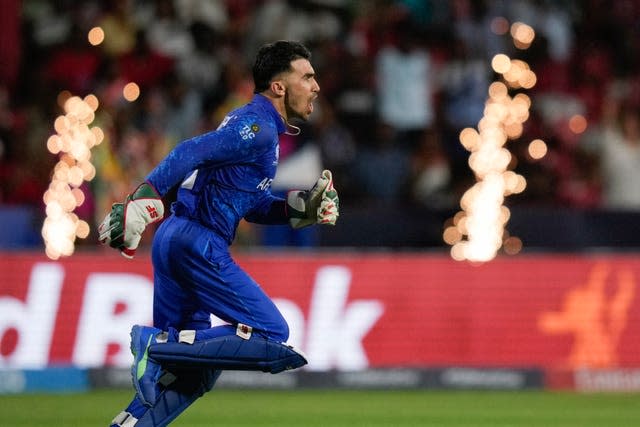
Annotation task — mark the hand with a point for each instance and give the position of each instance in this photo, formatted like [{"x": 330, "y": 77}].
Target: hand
[
  {"x": 329, "y": 210},
  {"x": 320, "y": 205},
  {"x": 122, "y": 227}
]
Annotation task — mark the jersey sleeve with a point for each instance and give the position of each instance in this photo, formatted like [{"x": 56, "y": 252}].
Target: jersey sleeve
[
  {"x": 239, "y": 140},
  {"x": 270, "y": 210}
]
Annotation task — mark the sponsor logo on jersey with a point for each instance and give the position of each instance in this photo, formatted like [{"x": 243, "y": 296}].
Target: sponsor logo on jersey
[{"x": 249, "y": 132}]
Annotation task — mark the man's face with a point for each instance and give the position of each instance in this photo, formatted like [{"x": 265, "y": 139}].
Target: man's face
[{"x": 301, "y": 89}]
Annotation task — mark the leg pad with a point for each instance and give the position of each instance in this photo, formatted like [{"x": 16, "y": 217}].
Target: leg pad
[
  {"x": 187, "y": 388},
  {"x": 231, "y": 353}
]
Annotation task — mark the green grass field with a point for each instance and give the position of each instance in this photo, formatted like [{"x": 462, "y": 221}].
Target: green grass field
[{"x": 348, "y": 408}]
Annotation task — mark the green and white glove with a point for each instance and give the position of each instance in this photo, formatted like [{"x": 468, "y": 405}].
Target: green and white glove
[
  {"x": 122, "y": 227},
  {"x": 320, "y": 205}
]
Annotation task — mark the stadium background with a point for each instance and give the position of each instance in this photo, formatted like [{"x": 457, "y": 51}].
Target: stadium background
[{"x": 560, "y": 312}]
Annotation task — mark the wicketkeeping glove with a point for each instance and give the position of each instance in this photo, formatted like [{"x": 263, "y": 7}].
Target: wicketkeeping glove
[
  {"x": 320, "y": 205},
  {"x": 122, "y": 227}
]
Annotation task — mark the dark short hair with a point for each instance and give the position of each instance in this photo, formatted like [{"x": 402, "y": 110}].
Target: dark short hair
[{"x": 275, "y": 58}]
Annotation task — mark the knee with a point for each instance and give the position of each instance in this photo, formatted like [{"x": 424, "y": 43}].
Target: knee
[{"x": 280, "y": 330}]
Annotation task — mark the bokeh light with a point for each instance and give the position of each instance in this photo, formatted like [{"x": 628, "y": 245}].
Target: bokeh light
[
  {"x": 537, "y": 149},
  {"x": 477, "y": 232},
  {"x": 577, "y": 124},
  {"x": 95, "y": 36},
  {"x": 72, "y": 143},
  {"x": 522, "y": 34},
  {"x": 501, "y": 63},
  {"x": 512, "y": 245},
  {"x": 499, "y": 25},
  {"x": 131, "y": 91}
]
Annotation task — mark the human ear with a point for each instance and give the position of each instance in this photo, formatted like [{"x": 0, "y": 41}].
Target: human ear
[{"x": 278, "y": 87}]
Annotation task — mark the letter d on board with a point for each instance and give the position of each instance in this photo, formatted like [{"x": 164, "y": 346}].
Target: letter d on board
[{"x": 34, "y": 319}]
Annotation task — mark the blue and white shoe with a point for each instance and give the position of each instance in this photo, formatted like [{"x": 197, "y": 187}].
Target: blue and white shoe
[{"x": 145, "y": 372}]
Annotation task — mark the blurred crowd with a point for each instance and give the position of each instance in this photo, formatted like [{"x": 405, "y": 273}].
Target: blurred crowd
[{"x": 399, "y": 80}]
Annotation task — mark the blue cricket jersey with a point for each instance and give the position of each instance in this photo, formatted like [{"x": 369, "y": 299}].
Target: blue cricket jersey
[{"x": 226, "y": 174}]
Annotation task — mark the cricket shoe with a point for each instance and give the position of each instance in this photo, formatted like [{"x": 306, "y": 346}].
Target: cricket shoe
[{"x": 146, "y": 372}]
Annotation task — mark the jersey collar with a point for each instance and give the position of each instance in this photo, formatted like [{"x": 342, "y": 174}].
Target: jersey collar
[{"x": 264, "y": 102}]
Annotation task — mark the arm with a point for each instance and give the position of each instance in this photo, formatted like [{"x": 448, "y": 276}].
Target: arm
[
  {"x": 271, "y": 211},
  {"x": 225, "y": 145},
  {"x": 122, "y": 228},
  {"x": 302, "y": 208}
]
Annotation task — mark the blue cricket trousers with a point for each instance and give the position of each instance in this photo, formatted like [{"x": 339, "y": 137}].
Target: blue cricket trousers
[{"x": 195, "y": 276}]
